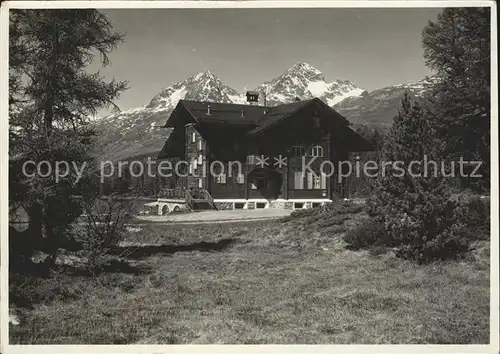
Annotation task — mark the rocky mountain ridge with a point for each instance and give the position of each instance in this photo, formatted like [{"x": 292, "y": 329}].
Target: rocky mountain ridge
[{"x": 137, "y": 132}]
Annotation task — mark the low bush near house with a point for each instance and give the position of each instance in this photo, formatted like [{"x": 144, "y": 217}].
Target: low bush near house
[
  {"x": 477, "y": 218},
  {"x": 104, "y": 228},
  {"x": 428, "y": 228},
  {"x": 423, "y": 226},
  {"x": 369, "y": 233},
  {"x": 325, "y": 211}
]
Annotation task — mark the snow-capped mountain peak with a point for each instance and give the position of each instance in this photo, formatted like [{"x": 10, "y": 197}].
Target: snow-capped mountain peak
[
  {"x": 137, "y": 131},
  {"x": 303, "y": 81},
  {"x": 202, "y": 86},
  {"x": 306, "y": 71}
]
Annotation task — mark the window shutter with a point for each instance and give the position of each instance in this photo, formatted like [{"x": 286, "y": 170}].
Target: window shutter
[
  {"x": 299, "y": 180},
  {"x": 309, "y": 180},
  {"x": 323, "y": 181},
  {"x": 221, "y": 179}
]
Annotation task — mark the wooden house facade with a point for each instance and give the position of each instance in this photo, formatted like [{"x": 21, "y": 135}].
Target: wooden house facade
[{"x": 251, "y": 156}]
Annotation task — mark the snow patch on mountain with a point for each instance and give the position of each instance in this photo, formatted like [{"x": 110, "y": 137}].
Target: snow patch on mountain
[
  {"x": 355, "y": 92},
  {"x": 418, "y": 87},
  {"x": 317, "y": 88},
  {"x": 378, "y": 107},
  {"x": 172, "y": 99}
]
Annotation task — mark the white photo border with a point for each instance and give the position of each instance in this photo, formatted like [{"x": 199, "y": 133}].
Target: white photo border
[{"x": 493, "y": 347}]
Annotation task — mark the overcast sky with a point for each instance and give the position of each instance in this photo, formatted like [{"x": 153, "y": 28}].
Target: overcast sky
[{"x": 244, "y": 47}]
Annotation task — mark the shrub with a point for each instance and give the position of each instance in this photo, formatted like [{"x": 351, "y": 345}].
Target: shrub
[
  {"x": 477, "y": 217},
  {"x": 430, "y": 228},
  {"x": 371, "y": 232},
  {"x": 427, "y": 225},
  {"x": 327, "y": 210},
  {"x": 104, "y": 228},
  {"x": 449, "y": 244},
  {"x": 421, "y": 218}
]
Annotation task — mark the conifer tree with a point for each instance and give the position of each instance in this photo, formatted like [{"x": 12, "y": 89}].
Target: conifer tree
[
  {"x": 457, "y": 48},
  {"x": 413, "y": 201},
  {"x": 52, "y": 97}
]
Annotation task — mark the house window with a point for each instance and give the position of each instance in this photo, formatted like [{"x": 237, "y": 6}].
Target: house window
[
  {"x": 323, "y": 180},
  {"x": 200, "y": 159},
  {"x": 220, "y": 179},
  {"x": 191, "y": 168},
  {"x": 298, "y": 150},
  {"x": 200, "y": 144},
  {"x": 193, "y": 137},
  {"x": 317, "y": 182},
  {"x": 251, "y": 159},
  {"x": 298, "y": 180},
  {"x": 253, "y": 186},
  {"x": 317, "y": 151},
  {"x": 200, "y": 183},
  {"x": 240, "y": 178}
]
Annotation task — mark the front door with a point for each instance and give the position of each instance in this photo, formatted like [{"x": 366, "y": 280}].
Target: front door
[{"x": 264, "y": 183}]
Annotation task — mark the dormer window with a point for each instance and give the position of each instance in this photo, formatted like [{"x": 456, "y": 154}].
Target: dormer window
[
  {"x": 298, "y": 150},
  {"x": 315, "y": 151}
]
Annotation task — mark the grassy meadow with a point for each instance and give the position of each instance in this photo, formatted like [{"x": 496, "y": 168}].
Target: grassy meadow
[{"x": 283, "y": 281}]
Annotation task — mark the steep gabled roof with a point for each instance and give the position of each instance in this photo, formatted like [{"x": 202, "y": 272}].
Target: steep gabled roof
[
  {"x": 260, "y": 117},
  {"x": 278, "y": 113},
  {"x": 255, "y": 120},
  {"x": 224, "y": 112}
]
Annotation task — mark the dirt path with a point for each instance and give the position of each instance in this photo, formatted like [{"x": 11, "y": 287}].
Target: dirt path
[
  {"x": 219, "y": 216},
  {"x": 199, "y": 222}
]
